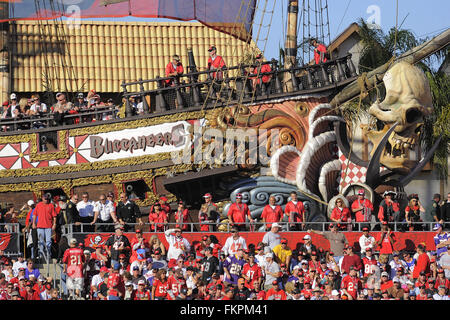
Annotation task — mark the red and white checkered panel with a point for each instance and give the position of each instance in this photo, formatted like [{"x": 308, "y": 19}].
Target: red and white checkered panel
[{"x": 352, "y": 174}]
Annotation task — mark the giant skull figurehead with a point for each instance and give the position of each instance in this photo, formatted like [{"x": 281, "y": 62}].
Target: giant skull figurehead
[{"x": 408, "y": 100}]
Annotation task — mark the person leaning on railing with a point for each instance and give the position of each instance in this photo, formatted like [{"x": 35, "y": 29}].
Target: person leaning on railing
[
  {"x": 173, "y": 69},
  {"x": 260, "y": 68},
  {"x": 61, "y": 107}
]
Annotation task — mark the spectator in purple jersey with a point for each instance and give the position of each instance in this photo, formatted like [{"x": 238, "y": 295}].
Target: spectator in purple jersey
[
  {"x": 232, "y": 267},
  {"x": 441, "y": 240}
]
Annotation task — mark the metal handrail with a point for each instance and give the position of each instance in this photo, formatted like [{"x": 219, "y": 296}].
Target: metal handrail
[{"x": 195, "y": 226}]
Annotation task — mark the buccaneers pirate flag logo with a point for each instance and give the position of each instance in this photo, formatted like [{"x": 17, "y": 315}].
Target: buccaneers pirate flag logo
[{"x": 4, "y": 240}]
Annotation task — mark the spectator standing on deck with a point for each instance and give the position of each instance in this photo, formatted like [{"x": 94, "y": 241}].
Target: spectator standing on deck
[
  {"x": 320, "y": 51},
  {"x": 362, "y": 208},
  {"x": 174, "y": 69},
  {"x": 295, "y": 212},
  {"x": 271, "y": 213},
  {"x": 238, "y": 212},
  {"x": 44, "y": 219},
  {"x": 128, "y": 212}
]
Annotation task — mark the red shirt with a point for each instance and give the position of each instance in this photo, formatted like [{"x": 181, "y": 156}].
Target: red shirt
[
  {"x": 253, "y": 272},
  {"x": 386, "y": 285},
  {"x": 45, "y": 212},
  {"x": 175, "y": 286},
  {"x": 362, "y": 215},
  {"x": 352, "y": 285},
  {"x": 386, "y": 246},
  {"x": 423, "y": 264},
  {"x": 115, "y": 281},
  {"x": 276, "y": 294},
  {"x": 33, "y": 295},
  {"x": 263, "y": 69},
  {"x": 182, "y": 217},
  {"x": 142, "y": 295},
  {"x": 238, "y": 212},
  {"x": 158, "y": 218},
  {"x": 161, "y": 288},
  {"x": 217, "y": 63},
  {"x": 317, "y": 51},
  {"x": 271, "y": 215},
  {"x": 298, "y": 208},
  {"x": 342, "y": 213},
  {"x": 74, "y": 258},
  {"x": 170, "y": 68}
]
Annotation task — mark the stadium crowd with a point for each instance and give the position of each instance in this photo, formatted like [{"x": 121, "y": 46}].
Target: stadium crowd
[{"x": 132, "y": 267}]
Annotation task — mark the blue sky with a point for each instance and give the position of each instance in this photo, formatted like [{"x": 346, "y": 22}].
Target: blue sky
[{"x": 424, "y": 18}]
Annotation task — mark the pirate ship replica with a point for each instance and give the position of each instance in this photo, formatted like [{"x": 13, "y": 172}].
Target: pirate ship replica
[{"x": 298, "y": 110}]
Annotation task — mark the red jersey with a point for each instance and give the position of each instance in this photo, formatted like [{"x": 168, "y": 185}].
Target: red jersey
[
  {"x": 298, "y": 209},
  {"x": 161, "y": 288},
  {"x": 135, "y": 242},
  {"x": 181, "y": 217},
  {"x": 261, "y": 295},
  {"x": 442, "y": 282},
  {"x": 314, "y": 264},
  {"x": 142, "y": 295},
  {"x": 418, "y": 284},
  {"x": 238, "y": 212},
  {"x": 271, "y": 215},
  {"x": 273, "y": 294},
  {"x": 74, "y": 258},
  {"x": 175, "y": 286},
  {"x": 352, "y": 285},
  {"x": 423, "y": 264},
  {"x": 386, "y": 285},
  {"x": 365, "y": 214},
  {"x": 33, "y": 295},
  {"x": 253, "y": 272},
  {"x": 369, "y": 266},
  {"x": 171, "y": 68},
  {"x": 45, "y": 212},
  {"x": 306, "y": 292},
  {"x": 422, "y": 297}
]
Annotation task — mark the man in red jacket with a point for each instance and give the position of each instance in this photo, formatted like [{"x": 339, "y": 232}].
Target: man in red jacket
[
  {"x": 258, "y": 70},
  {"x": 215, "y": 62}
]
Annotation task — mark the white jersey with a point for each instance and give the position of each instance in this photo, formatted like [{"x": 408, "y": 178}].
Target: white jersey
[
  {"x": 233, "y": 245},
  {"x": 175, "y": 245}
]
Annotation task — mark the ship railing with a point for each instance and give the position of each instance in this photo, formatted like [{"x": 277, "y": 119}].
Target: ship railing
[
  {"x": 259, "y": 226},
  {"x": 196, "y": 89}
]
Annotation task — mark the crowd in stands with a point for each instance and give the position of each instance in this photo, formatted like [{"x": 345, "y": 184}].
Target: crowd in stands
[
  {"x": 34, "y": 108},
  {"x": 131, "y": 267}
]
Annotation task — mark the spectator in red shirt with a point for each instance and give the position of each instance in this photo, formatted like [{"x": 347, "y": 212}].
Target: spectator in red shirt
[
  {"x": 181, "y": 217},
  {"x": 158, "y": 218},
  {"x": 275, "y": 293},
  {"x": 386, "y": 240},
  {"x": 29, "y": 293},
  {"x": 341, "y": 215},
  {"x": 173, "y": 69},
  {"x": 351, "y": 284},
  {"x": 320, "y": 51},
  {"x": 260, "y": 68},
  {"x": 238, "y": 212},
  {"x": 389, "y": 209},
  {"x": 423, "y": 262},
  {"x": 271, "y": 213},
  {"x": 385, "y": 282},
  {"x": 215, "y": 62},
  {"x": 362, "y": 208},
  {"x": 295, "y": 211},
  {"x": 350, "y": 260},
  {"x": 45, "y": 215}
]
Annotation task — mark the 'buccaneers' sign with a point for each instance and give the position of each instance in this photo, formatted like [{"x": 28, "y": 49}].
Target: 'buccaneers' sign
[{"x": 141, "y": 141}]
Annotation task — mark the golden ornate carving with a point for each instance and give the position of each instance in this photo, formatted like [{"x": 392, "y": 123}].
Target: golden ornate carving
[
  {"x": 301, "y": 108},
  {"x": 63, "y": 152}
]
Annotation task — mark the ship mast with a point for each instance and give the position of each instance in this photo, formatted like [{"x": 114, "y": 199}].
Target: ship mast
[{"x": 290, "y": 51}]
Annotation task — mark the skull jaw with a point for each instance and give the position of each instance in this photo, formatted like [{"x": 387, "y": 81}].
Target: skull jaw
[{"x": 396, "y": 152}]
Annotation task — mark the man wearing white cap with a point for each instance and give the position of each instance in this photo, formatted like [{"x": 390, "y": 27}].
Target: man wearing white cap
[
  {"x": 272, "y": 238},
  {"x": 60, "y": 107},
  {"x": 211, "y": 212},
  {"x": 307, "y": 245},
  {"x": 271, "y": 271},
  {"x": 13, "y": 109}
]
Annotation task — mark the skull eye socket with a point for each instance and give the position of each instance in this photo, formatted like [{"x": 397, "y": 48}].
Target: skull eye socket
[{"x": 413, "y": 115}]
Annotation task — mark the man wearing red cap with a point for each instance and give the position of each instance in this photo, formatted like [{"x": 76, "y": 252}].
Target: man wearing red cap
[
  {"x": 295, "y": 212},
  {"x": 283, "y": 253},
  {"x": 276, "y": 293},
  {"x": 366, "y": 240},
  {"x": 386, "y": 239},
  {"x": 238, "y": 212},
  {"x": 362, "y": 208}
]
